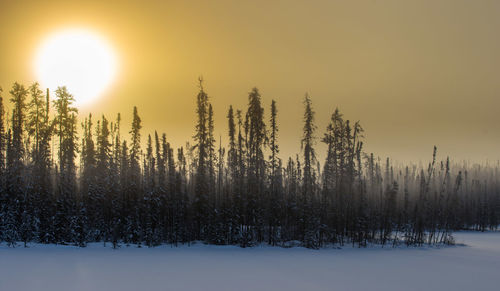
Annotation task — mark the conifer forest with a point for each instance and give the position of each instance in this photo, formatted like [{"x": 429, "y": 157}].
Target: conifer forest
[{"x": 69, "y": 179}]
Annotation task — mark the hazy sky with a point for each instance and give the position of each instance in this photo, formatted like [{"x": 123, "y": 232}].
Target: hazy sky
[{"x": 415, "y": 73}]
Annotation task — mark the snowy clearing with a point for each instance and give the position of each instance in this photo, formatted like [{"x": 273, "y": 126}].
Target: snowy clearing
[{"x": 473, "y": 266}]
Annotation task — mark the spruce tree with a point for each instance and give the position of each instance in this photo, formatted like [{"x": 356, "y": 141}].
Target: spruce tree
[
  {"x": 274, "y": 208},
  {"x": 66, "y": 208},
  {"x": 2, "y": 139},
  {"x": 134, "y": 186},
  {"x": 202, "y": 145},
  {"x": 255, "y": 131},
  {"x": 3, "y": 192},
  {"x": 311, "y": 224},
  {"x": 16, "y": 154}
]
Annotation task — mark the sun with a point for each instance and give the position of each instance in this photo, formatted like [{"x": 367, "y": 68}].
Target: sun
[{"x": 78, "y": 59}]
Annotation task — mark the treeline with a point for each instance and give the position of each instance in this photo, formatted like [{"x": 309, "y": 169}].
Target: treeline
[{"x": 102, "y": 186}]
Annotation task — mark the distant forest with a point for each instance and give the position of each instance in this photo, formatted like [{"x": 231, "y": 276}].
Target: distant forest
[{"x": 61, "y": 187}]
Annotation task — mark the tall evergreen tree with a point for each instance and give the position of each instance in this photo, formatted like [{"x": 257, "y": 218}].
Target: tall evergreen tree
[
  {"x": 16, "y": 155},
  {"x": 135, "y": 148},
  {"x": 202, "y": 139},
  {"x": 311, "y": 231},
  {"x": 103, "y": 181},
  {"x": 41, "y": 128},
  {"x": 134, "y": 187},
  {"x": 274, "y": 207},
  {"x": 256, "y": 139},
  {"x": 2, "y": 138},
  {"x": 3, "y": 193},
  {"x": 66, "y": 213}
]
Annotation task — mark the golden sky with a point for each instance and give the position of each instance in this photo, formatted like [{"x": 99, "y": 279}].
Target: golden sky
[{"x": 416, "y": 73}]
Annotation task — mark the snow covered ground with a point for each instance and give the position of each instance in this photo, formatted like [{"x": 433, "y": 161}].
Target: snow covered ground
[{"x": 475, "y": 266}]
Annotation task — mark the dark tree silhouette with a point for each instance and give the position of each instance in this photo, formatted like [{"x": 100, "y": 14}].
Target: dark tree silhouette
[{"x": 105, "y": 189}]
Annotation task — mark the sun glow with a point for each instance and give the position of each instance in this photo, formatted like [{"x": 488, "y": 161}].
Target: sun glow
[{"x": 78, "y": 59}]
